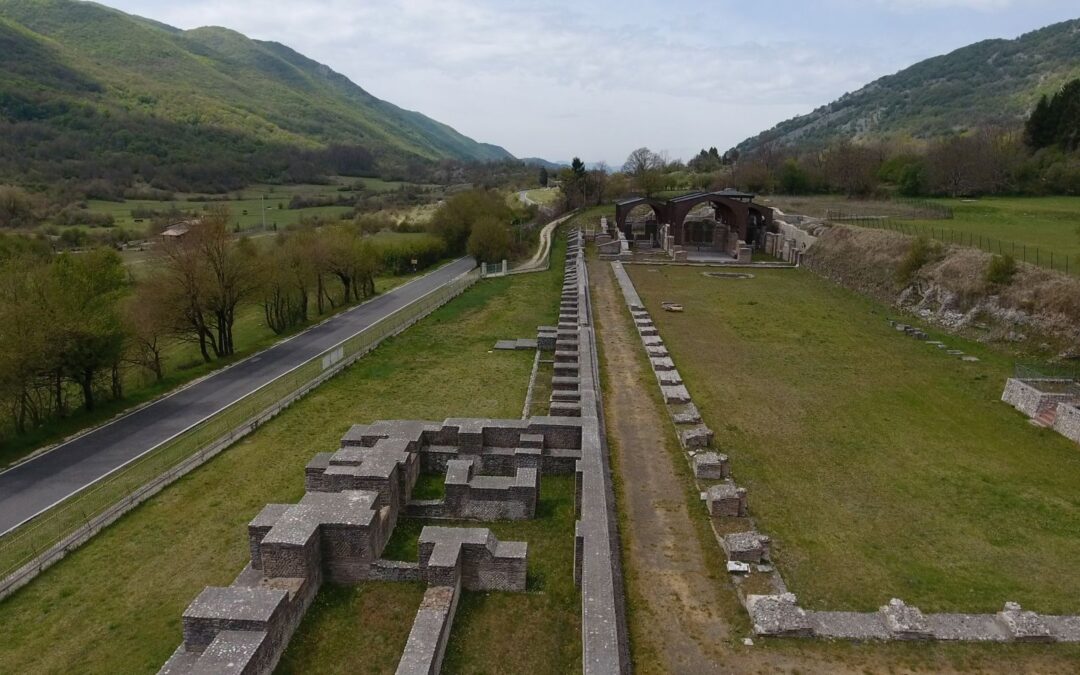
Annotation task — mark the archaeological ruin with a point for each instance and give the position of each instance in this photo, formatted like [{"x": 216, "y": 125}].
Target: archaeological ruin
[{"x": 356, "y": 495}]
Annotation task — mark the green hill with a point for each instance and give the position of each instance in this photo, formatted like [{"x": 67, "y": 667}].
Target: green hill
[
  {"x": 88, "y": 92},
  {"x": 994, "y": 82}
]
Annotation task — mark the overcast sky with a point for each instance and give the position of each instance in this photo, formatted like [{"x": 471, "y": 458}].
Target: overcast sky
[{"x": 556, "y": 79}]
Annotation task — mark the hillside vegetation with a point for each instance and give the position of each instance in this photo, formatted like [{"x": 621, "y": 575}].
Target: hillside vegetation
[
  {"x": 90, "y": 93},
  {"x": 993, "y": 82}
]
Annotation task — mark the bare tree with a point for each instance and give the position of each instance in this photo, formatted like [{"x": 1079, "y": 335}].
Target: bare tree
[{"x": 645, "y": 169}]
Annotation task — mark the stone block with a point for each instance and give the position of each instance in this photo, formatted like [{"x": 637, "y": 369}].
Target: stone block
[
  {"x": 231, "y": 608},
  {"x": 676, "y": 394},
  {"x": 726, "y": 500},
  {"x": 904, "y": 622},
  {"x": 749, "y": 547},
  {"x": 696, "y": 437},
  {"x": 662, "y": 363},
  {"x": 686, "y": 414},
  {"x": 778, "y": 615},
  {"x": 1024, "y": 626},
  {"x": 711, "y": 466},
  {"x": 669, "y": 378}
]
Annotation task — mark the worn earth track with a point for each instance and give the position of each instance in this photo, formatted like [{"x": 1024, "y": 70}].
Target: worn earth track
[{"x": 679, "y": 611}]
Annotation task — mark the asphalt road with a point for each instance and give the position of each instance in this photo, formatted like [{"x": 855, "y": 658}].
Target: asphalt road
[{"x": 37, "y": 484}]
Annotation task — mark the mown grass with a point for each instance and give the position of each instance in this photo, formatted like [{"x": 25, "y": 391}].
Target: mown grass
[
  {"x": 881, "y": 466},
  {"x": 114, "y": 605}
]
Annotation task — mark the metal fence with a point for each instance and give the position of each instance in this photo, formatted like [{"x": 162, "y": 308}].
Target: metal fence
[
  {"x": 45, "y": 538},
  {"x": 1042, "y": 371},
  {"x": 1034, "y": 255}
]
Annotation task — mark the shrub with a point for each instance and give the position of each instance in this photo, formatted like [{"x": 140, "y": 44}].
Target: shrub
[
  {"x": 920, "y": 253},
  {"x": 1001, "y": 270}
]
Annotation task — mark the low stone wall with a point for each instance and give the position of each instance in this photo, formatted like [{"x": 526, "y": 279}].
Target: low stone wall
[
  {"x": 1027, "y": 396},
  {"x": 778, "y": 614},
  {"x": 597, "y": 567},
  {"x": 338, "y": 531},
  {"x": 430, "y": 632},
  {"x": 1067, "y": 421}
]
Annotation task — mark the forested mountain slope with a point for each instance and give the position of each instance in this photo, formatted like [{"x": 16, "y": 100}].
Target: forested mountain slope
[
  {"x": 88, "y": 92},
  {"x": 993, "y": 82}
]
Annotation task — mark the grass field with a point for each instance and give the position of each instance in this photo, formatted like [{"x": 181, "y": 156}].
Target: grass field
[
  {"x": 250, "y": 205},
  {"x": 881, "y": 466},
  {"x": 114, "y": 605},
  {"x": 543, "y": 196},
  {"x": 1046, "y": 223}
]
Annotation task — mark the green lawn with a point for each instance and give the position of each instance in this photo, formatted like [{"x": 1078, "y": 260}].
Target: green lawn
[
  {"x": 1049, "y": 223},
  {"x": 114, "y": 605},
  {"x": 881, "y": 466}
]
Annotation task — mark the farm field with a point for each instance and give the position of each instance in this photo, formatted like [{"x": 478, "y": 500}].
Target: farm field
[
  {"x": 248, "y": 205},
  {"x": 114, "y": 605},
  {"x": 881, "y": 466},
  {"x": 1048, "y": 223}
]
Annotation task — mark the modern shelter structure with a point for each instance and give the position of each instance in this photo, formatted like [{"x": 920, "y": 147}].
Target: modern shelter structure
[{"x": 736, "y": 219}]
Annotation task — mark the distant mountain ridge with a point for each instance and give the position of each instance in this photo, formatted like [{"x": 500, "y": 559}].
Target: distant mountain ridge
[
  {"x": 61, "y": 56},
  {"x": 992, "y": 82}
]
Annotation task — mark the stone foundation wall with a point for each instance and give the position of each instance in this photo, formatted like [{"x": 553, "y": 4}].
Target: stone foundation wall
[
  {"x": 1067, "y": 422},
  {"x": 356, "y": 494},
  {"x": 1027, "y": 396}
]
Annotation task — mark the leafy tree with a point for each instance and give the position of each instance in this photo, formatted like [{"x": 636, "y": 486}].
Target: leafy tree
[
  {"x": 454, "y": 219},
  {"x": 543, "y": 179},
  {"x": 490, "y": 240},
  {"x": 793, "y": 179},
  {"x": 81, "y": 305}
]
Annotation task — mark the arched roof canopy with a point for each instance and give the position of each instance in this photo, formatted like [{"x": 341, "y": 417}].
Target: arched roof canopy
[{"x": 623, "y": 209}]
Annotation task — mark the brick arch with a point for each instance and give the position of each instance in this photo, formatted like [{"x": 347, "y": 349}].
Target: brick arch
[{"x": 623, "y": 209}]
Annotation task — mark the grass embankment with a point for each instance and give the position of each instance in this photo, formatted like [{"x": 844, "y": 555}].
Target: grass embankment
[
  {"x": 182, "y": 364},
  {"x": 881, "y": 466},
  {"x": 114, "y": 605}
]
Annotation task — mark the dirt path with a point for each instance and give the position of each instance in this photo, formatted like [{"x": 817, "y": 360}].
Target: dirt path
[
  {"x": 544, "y": 245},
  {"x": 677, "y": 611}
]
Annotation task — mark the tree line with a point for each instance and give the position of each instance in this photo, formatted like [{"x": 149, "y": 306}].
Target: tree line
[
  {"x": 78, "y": 326},
  {"x": 1042, "y": 157}
]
